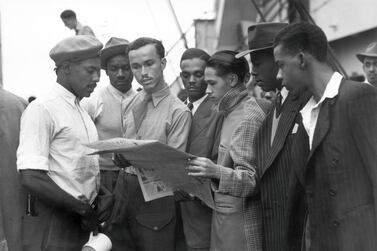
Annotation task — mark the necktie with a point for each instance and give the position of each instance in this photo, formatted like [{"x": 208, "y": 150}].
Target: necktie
[
  {"x": 278, "y": 104},
  {"x": 140, "y": 110},
  {"x": 190, "y": 106}
]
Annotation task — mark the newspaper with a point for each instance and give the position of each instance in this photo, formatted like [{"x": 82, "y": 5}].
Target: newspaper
[{"x": 160, "y": 168}]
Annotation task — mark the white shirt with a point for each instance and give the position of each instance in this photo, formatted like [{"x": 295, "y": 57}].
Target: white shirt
[
  {"x": 311, "y": 110},
  {"x": 107, "y": 109},
  {"x": 53, "y": 131},
  {"x": 196, "y": 103}
]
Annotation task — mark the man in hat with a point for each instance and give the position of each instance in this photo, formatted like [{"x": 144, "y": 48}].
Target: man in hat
[
  {"x": 107, "y": 107},
  {"x": 154, "y": 114},
  {"x": 274, "y": 138},
  {"x": 369, "y": 61},
  {"x": 339, "y": 176},
  {"x": 70, "y": 20},
  {"x": 62, "y": 181},
  {"x": 203, "y": 141}
]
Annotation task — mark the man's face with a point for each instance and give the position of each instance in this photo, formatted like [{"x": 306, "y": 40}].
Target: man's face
[
  {"x": 217, "y": 86},
  {"x": 69, "y": 23},
  {"x": 84, "y": 76},
  {"x": 370, "y": 69},
  {"x": 264, "y": 70},
  {"x": 147, "y": 67},
  {"x": 193, "y": 78},
  {"x": 293, "y": 78},
  {"x": 119, "y": 72}
]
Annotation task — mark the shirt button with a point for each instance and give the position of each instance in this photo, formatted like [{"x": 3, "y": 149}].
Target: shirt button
[
  {"x": 335, "y": 223},
  {"x": 155, "y": 228},
  {"x": 332, "y": 192}
]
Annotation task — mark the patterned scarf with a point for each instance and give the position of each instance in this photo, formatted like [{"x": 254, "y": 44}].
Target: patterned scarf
[{"x": 232, "y": 98}]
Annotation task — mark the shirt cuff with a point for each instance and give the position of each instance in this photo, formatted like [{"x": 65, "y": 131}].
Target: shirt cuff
[{"x": 32, "y": 162}]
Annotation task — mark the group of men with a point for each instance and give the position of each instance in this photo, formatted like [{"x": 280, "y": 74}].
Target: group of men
[{"x": 305, "y": 165}]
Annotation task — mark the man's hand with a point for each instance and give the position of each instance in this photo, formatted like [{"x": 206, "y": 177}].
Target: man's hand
[
  {"x": 120, "y": 161},
  {"x": 203, "y": 168}
]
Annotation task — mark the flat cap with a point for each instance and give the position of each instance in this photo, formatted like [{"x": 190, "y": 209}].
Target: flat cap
[
  {"x": 76, "y": 48},
  {"x": 112, "y": 48}
]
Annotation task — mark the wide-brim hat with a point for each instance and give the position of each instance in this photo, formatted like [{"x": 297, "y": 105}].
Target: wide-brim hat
[
  {"x": 112, "y": 48},
  {"x": 261, "y": 36},
  {"x": 370, "y": 51}
]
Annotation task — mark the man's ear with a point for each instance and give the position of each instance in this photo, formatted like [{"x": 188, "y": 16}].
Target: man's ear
[
  {"x": 247, "y": 77},
  {"x": 66, "y": 68},
  {"x": 163, "y": 63},
  {"x": 302, "y": 60},
  {"x": 232, "y": 79}
]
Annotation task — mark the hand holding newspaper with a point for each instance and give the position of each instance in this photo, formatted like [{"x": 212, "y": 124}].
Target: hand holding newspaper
[{"x": 160, "y": 168}]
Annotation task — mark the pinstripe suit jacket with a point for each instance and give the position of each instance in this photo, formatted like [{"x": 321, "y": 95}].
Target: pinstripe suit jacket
[
  {"x": 340, "y": 178},
  {"x": 274, "y": 164}
]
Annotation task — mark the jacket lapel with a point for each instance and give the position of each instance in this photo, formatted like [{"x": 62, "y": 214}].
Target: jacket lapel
[
  {"x": 322, "y": 126},
  {"x": 199, "y": 122},
  {"x": 290, "y": 110}
]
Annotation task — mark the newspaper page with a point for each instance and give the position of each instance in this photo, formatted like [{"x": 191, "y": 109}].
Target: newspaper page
[{"x": 165, "y": 167}]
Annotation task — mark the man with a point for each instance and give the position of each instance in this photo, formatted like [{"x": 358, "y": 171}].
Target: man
[
  {"x": 203, "y": 142},
  {"x": 63, "y": 200},
  {"x": 369, "y": 61},
  {"x": 340, "y": 175},
  {"x": 236, "y": 221},
  {"x": 107, "y": 107},
  {"x": 154, "y": 114},
  {"x": 11, "y": 204},
  {"x": 274, "y": 138},
  {"x": 70, "y": 21}
]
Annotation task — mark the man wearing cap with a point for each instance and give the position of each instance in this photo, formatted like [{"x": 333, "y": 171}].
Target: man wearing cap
[
  {"x": 369, "y": 61},
  {"x": 64, "y": 202},
  {"x": 107, "y": 107},
  {"x": 203, "y": 141},
  {"x": 154, "y": 114},
  {"x": 70, "y": 20},
  {"x": 274, "y": 138}
]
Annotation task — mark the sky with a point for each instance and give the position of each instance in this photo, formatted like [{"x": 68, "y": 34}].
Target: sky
[{"x": 30, "y": 28}]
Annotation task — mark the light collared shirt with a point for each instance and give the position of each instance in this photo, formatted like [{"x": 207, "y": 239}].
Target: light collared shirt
[
  {"x": 196, "y": 103},
  {"x": 83, "y": 30},
  {"x": 107, "y": 108},
  {"x": 53, "y": 131},
  {"x": 167, "y": 119},
  {"x": 311, "y": 110}
]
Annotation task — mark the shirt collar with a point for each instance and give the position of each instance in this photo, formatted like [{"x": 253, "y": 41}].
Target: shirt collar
[
  {"x": 158, "y": 96},
  {"x": 78, "y": 26},
  {"x": 60, "y": 91},
  {"x": 118, "y": 93},
  {"x": 284, "y": 94},
  {"x": 332, "y": 88}
]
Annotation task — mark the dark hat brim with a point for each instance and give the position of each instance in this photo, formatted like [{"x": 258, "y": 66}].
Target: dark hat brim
[
  {"x": 244, "y": 53},
  {"x": 112, "y": 51},
  {"x": 362, "y": 56}
]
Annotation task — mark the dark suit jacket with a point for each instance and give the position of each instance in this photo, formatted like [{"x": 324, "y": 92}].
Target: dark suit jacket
[
  {"x": 203, "y": 142},
  {"x": 340, "y": 175},
  {"x": 11, "y": 203},
  {"x": 274, "y": 163}
]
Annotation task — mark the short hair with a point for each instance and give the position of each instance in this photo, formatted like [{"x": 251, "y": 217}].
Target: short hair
[
  {"x": 225, "y": 62},
  {"x": 195, "y": 53},
  {"x": 142, "y": 41},
  {"x": 303, "y": 36},
  {"x": 68, "y": 14}
]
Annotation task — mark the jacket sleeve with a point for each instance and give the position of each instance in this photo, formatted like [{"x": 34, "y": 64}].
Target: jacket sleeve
[
  {"x": 241, "y": 180},
  {"x": 362, "y": 115}
]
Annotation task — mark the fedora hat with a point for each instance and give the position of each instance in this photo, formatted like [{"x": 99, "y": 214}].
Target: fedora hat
[
  {"x": 113, "y": 47},
  {"x": 261, "y": 36},
  {"x": 370, "y": 51}
]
